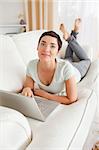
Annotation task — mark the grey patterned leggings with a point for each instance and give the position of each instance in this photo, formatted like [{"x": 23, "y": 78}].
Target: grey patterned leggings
[{"x": 73, "y": 47}]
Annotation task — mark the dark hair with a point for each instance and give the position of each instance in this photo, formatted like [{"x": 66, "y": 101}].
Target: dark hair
[{"x": 52, "y": 34}]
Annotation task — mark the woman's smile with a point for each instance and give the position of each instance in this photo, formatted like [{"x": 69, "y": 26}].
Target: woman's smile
[{"x": 45, "y": 54}]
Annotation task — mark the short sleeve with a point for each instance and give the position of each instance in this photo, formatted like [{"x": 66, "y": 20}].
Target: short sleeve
[
  {"x": 31, "y": 68},
  {"x": 68, "y": 71},
  {"x": 28, "y": 70}
]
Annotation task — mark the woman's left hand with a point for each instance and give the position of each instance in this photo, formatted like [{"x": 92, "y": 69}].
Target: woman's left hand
[{"x": 39, "y": 92}]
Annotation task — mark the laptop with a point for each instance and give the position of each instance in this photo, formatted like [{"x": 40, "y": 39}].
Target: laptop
[{"x": 33, "y": 107}]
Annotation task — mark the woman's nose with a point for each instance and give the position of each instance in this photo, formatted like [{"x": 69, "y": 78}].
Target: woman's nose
[{"x": 47, "y": 48}]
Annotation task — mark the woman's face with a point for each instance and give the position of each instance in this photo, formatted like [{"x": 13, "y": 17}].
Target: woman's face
[{"x": 47, "y": 48}]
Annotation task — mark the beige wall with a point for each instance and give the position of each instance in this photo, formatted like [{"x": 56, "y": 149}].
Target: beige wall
[{"x": 9, "y": 12}]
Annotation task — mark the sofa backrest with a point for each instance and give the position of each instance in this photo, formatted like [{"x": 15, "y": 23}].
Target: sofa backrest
[
  {"x": 26, "y": 44},
  {"x": 12, "y": 68}
]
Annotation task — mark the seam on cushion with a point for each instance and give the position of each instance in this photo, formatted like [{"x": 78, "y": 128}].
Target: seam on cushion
[
  {"x": 80, "y": 121},
  {"x": 96, "y": 77},
  {"x": 29, "y": 138}
]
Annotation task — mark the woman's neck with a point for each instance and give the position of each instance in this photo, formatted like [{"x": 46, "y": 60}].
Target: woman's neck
[{"x": 46, "y": 66}]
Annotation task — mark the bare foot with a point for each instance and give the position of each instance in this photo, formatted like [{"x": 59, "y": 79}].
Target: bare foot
[
  {"x": 96, "y": 146},
  {"x": 77, "y": 25},
  {"x": 64, "y": 31}
]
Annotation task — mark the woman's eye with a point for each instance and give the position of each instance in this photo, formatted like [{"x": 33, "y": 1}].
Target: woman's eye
[
  {"x": 42, "y": 44},
  {"x": 52, "y": 46}
]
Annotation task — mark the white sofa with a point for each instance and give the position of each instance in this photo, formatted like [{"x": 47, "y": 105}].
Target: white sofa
[{"x": 68, "y": 126}]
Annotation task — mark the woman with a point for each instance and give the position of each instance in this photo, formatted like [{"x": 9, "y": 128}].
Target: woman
[
  {"x": 73, "y": 47},
  {"x": 47, "y": 76}
]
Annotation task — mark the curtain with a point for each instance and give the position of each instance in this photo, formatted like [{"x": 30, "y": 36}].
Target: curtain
[{"x": 40, "y": 14}]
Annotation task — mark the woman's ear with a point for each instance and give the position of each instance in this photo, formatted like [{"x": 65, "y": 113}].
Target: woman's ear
[
  {"x": 37, "y": 47},
  {"x": 58, "y": 51}
]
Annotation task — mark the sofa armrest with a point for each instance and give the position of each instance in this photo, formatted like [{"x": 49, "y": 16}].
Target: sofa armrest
[
  {"x": 89, "y": 80},
  {"x": 15, "y": 132}
]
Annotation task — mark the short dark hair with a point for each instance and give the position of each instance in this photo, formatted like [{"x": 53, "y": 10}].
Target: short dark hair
[{"x": 52, "y": 34}]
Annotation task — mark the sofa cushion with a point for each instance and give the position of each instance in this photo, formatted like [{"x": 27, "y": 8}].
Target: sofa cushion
[
  {"x": 64, "y": 124},
  {"x": 15, "y": 132},
  {"x": 12, "y": 68},
  {"x": 27, "y": 44},
  {"x": 89, "y": 80}
]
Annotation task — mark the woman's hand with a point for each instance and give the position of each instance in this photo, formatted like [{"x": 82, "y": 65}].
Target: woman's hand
[
  {"x": 71, "y": 91},
  {"x": 27, "y": 92},
  {"x": 41, "y": 93}
]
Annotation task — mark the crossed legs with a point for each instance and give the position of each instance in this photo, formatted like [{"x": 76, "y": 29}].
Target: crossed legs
[{"x": 74, "y": 47}]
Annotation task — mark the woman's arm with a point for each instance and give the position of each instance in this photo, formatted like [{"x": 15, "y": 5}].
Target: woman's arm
[
  {"x": 28, "y": 87},
  {"x": 71, "y": 90},
  {"x": 29, "y": 82}
]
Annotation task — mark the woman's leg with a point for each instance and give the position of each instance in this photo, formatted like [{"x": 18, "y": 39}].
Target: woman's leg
[
  {"x": 82, "y": 66},
  {"x": 76, "y": 27},
  {"x": 76, "y": 48},
  {"x": 84, "y": 63},
  {"x": 68, "y": 51},
  {"x": 74, "y": 32}
]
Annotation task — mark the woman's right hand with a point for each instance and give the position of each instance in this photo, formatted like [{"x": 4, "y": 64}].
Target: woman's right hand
[{"x": 27, "y": 92}]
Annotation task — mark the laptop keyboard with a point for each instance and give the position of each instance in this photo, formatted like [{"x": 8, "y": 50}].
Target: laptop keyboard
[{"x": 46, "y": 106}]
